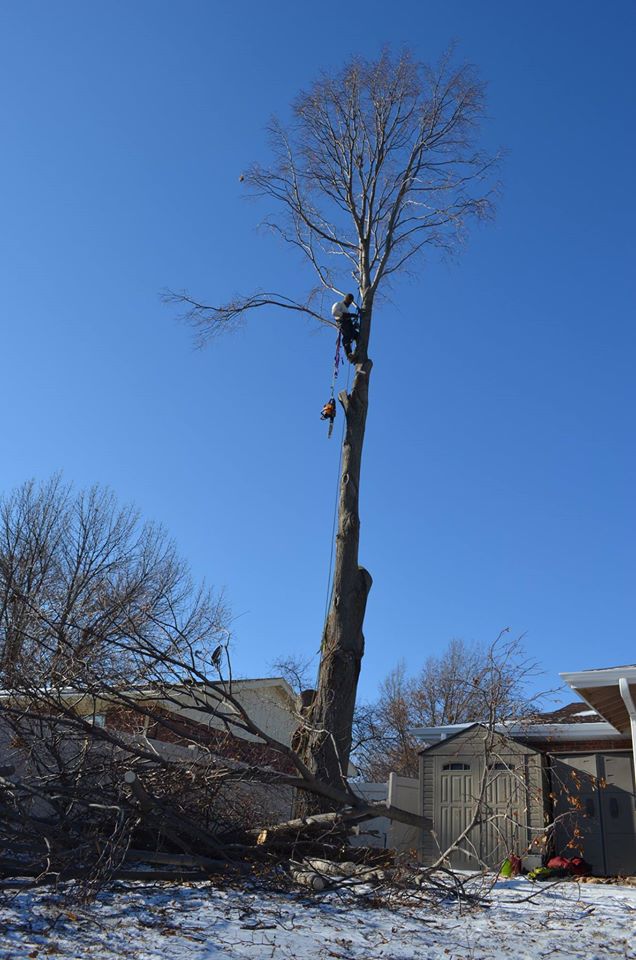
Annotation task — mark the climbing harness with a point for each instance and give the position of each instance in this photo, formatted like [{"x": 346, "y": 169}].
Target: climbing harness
[{"x": 329, "y": 409}]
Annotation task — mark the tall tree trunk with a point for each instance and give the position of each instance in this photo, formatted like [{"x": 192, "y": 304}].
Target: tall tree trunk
[{"x": 327, "y": 737}]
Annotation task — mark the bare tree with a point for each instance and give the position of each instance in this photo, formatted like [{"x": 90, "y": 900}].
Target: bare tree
[
  {"x": 382, "y": 739},
  {"x": 296, "y": 670},
  {"x": 458, "y": 685},
  {"x": 109, "y": 649},
  {"x": 378, "y": 165},
  {"x": 103, "y": 753},
  {"x": 85, "y": 586},
  {"x": 465, "y": 683}
]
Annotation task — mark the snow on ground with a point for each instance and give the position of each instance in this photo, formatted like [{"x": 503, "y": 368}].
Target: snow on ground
[{"x": 202, "y": 922}]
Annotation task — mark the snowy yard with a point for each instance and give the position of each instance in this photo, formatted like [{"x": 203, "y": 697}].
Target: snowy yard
[{"x": 201, "y": 922}]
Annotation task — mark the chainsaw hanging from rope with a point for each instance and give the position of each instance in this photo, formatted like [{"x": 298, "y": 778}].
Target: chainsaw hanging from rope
[
  {"x": 329, "y": 409},
  {"x": 329, "y": 413}
]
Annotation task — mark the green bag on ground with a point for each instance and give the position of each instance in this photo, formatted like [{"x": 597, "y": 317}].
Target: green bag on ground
[{"x": 541, "y": 873}]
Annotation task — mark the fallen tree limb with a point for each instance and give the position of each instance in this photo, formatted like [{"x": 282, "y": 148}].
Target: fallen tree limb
[
  {"x": 317, "y": 822},
  {"x": 172, "y": 824},
  {"x": 175, "y": 859},
  {"x": 346, "y": 868}
]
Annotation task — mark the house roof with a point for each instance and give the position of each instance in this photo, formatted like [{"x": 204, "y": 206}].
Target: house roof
[
  {"x": 601, "y": 672},
  {"x": 575, "y": 712},
  {"x": 145, "y": 689},
  {"x": 607, "y": 690}
]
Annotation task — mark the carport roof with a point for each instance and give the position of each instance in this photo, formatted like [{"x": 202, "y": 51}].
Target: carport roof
[{"x": 600, "y": 689}]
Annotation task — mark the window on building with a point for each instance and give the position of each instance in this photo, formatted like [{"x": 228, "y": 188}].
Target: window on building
[{"x": 456, "y": 766}]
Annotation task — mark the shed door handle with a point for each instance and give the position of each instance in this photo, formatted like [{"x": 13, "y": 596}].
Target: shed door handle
[{"x": 613, "y": 805}]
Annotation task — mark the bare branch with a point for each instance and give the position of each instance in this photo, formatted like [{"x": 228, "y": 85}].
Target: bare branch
[
  {"x": 209, "y": 321},
  {"x": 378, "y": 164}
]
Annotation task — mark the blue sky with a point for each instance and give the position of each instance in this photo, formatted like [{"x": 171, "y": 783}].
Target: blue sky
[{"x": 499, "y": 467}]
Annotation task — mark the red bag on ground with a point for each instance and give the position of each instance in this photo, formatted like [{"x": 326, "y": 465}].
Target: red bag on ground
[{"x": 576, "y": 866}]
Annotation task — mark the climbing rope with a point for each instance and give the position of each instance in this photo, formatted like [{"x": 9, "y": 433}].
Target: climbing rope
[{"x": 329, "y": 409}]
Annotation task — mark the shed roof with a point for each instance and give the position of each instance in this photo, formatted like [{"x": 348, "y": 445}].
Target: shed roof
[
  {"x": 467, "y": 728},
  {"x": 526, "y": 730}
]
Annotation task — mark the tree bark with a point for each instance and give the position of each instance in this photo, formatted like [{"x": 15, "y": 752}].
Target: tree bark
[
  {"x": 326, "y": 743},
  {"x": 321, "y": 822}
]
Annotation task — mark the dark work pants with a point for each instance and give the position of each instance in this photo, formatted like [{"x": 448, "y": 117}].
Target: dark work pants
[{"x": 349, "y": 330}]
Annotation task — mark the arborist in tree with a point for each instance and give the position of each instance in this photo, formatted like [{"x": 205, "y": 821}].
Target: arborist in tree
[{"x": 347, "y": 321}]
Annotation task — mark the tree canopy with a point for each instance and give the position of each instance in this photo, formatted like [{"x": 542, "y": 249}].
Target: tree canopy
[
  {"x": 87, "y": 588},
  {"x": 464, "y": 683},
  {"x": 378, "y": 163}
]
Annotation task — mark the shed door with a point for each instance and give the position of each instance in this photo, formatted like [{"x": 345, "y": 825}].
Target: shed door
[
  {"x": 618, "y": 813},
  {"x": 503, "y": 830},
  {"x": 595, "y": 795},
  {"x": 456, "y": 809},
  {"x": 578, "y": 824}
]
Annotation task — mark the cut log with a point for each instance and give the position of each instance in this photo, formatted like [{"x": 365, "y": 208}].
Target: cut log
[
  {"x": 348, "y": 869},
  {"x": 308, "y": 878},
  {"x": 321, "y": 821}
]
